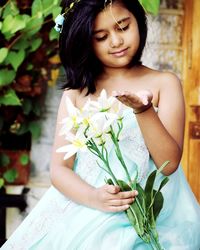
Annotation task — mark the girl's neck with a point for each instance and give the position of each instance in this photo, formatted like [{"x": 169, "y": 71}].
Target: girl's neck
[{"x": 118, "y": 79}]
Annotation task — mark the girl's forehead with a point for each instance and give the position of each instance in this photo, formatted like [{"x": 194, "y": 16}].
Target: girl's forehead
[{"x": 112, "y": 14}]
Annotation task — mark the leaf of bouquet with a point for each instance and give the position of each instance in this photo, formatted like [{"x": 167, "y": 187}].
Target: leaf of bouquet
[
  {"x": 149, "y": 189},
  {"x": 158, "y": 203},
  {"x": 141, "y": 197},
  {"x": 109, "y": 181},
  {"x": 163, "y": 183},
  {"x": 151, "y": 219},
  {"x": 136, "y": 218},
  {"x": 123, "y": 185},
  {"x": 134, "y": 181}
]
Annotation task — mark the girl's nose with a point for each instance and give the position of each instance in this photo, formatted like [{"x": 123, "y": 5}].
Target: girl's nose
[{"x": 116, "y": 41}]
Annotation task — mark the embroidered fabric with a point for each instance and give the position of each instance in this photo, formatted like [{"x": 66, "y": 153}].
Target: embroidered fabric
[{"x": 52, "y": 207}]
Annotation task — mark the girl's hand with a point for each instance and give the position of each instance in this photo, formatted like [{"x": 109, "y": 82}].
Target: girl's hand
[
  {"x": 109, "y": 198},
  {"x": 137, "y": 101}
]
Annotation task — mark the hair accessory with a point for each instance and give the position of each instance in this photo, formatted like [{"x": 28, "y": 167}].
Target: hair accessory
[
  {"x": 59, "y": 20},
  {"x": 59, "y": 23},
  {"x": 150, "y": 6}
]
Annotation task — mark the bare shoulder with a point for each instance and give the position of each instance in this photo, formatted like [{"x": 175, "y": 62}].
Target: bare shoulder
[
  {"x": 71, "y": 94},
  {"x": 166, "y": 81}
]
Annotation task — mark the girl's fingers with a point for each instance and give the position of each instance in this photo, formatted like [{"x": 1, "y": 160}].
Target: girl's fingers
[
  {"x": 115, "y": 209},
  {"x": 111, "y": 189},
  {"x": 123, "y": 195},
  {"x": 121, "y": 202}
]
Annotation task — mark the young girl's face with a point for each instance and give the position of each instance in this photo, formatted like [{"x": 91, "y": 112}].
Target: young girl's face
[{"x": 115, "y": 36}]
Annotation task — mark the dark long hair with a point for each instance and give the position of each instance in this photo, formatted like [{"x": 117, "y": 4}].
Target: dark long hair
[{"x": 81, "y": 65}]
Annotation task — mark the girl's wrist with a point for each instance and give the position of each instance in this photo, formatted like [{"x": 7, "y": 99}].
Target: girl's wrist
[{"x": 142, "y": 109}]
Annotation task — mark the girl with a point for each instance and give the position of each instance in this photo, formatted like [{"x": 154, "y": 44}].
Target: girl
[{"x": 100, "y": 47}]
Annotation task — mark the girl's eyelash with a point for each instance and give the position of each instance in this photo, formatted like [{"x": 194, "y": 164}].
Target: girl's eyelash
[
  {"x": 104, "y": 37},
  {"x": 124, "y": 28},
  {"x": 101, "y": 38}
]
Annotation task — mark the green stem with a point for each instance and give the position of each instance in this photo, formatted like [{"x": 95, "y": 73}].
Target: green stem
[
  {"x": 120, "y": 157},
  {"x": 104, "y": 158}
]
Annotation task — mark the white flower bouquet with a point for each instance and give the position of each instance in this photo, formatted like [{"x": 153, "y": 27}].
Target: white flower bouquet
[{"x": 90, "y": 128}]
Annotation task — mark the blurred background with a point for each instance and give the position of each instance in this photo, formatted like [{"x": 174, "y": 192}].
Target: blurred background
[{"x": 30, "y": 73}]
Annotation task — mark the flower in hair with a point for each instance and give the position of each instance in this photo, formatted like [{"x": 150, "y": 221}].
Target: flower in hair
[{"x": 59, "y": 23}]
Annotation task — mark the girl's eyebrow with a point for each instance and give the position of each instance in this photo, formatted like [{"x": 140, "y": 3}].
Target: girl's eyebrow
[{"x": 117, "y": 22}]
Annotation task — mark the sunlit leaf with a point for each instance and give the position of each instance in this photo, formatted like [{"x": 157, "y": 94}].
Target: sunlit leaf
[
  {"x": 3, "y": 54},
  {"x": 16, "y": 58},
  {"x": 150, "y": 6},
  {"x": 10, "y": 98},
  {"x": 1, "y": 182},
  {"x": 24, "y": 159},
  {"x": 6, "y": 77},
  {"x": 10, "y": 175},
  {"x": 36, "y": 8}
]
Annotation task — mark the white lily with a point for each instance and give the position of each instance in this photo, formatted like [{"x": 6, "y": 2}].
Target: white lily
[
  {"x": 103, "y": 103},
  {"x": 78, "y": 143},
  {"x": 72, "y": 120},
  {"x": 100, "y": 123},
  {"x": 118, "y": 109}
]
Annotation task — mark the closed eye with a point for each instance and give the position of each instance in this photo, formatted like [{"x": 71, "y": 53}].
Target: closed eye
[
  {"x": 101, "y": 38},
  {"x": 123, "y": 28}
]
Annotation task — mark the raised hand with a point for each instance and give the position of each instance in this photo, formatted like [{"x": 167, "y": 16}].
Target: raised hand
[
  {"x": 139, "y": 101},
  {"x": 109, "y": 198}
]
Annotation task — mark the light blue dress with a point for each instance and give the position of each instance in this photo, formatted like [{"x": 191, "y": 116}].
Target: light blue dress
[{"x": 57, "y": 223}]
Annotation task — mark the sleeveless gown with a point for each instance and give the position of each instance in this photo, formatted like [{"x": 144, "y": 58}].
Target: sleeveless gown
[{"x": 57, "y": 223}]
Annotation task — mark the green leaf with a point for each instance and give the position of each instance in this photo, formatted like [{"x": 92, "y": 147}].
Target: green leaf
[
  {"x": 2, "y": 182},
  {"x": 6, "y": 77},
  {"x": 27, "y": 106},
  {"x": 158, "y": 204},
  {"x": 56, "y": 12},
  {"x": 33, "y": 26},
  {"x": 141, "y": 197},
  {"x": 24, "y": 159},
  {"x": 53, "y": 34},
  {"x": 16, "y": 58},
  {"x": 109, "y": 181},
  {"x": 123, "y": 185},
  {"x": 10, "y": 98},
  {"x": 37, "y": 108},
  {"x": 10, "y": 9},
  {"x": 37, "y": 8},
  {"x": 136, "y": 218},
  {"x": 150, "y": 6},
  {"x": 21, "y": 44},
  {"x": 10, "y": 175},
  {"x": 13, "y": 24},
  {"x": 29, "y": 66},
  {"x": 48, "y": 7},
  {"x": 35, "y": 129},
  {"x": 4, "y": 160},
  {"x": 3, "y": 54},
  {"x": 35, "y": 44},
  {"x": 160, "y": 169},
  {"x": 149, "y": 188},
  {"x": 163, "y": 183}
]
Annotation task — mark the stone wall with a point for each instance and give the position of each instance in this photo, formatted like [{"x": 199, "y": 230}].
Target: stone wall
[{"x": 163, "y": 52}]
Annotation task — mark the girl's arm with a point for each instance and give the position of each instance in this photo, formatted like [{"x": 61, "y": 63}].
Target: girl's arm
[
  {"x": 106, "y": 198},
  {"x": 163, "y": 132}
]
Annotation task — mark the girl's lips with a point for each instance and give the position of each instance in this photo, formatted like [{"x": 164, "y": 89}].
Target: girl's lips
[{"x": 120, "y": 53}]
